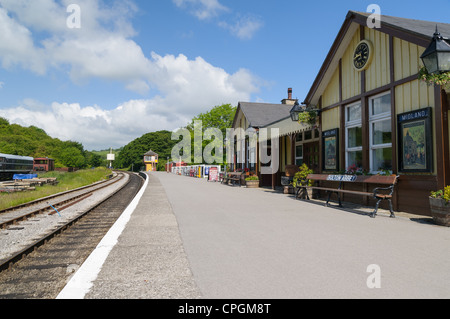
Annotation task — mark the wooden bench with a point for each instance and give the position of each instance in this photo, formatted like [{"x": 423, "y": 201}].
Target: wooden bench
[
  {"x": 233, "y": 177},
  {"x": 378, "y": 193}
]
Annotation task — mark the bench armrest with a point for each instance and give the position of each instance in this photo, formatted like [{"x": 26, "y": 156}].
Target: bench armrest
[{"x": 377, "y": 190}]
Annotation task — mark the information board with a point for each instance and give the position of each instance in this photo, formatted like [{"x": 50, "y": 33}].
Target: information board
[{"x": 213, "y": 174}]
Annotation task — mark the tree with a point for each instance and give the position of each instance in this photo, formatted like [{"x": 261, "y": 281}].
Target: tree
[
  {"x": 33, "y": 141},
  {"x": 72, "y": 157},
  {"x": 92, "y": 159},
  {"x": 220, "y": 117},
  {"x": 132, "y": 155}
]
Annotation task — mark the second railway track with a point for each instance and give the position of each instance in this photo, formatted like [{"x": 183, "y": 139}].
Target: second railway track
[{"x": 45, "y": 271}]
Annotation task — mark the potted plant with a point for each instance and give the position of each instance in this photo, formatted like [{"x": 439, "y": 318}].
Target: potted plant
[
  {"x": 300, "y": 178},
  {"x": 252, "y": 181},
  {"x": 440, "y": 206}
]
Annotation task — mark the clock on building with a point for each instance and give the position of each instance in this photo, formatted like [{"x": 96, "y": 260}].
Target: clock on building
[{"x": 363, "y": 55}]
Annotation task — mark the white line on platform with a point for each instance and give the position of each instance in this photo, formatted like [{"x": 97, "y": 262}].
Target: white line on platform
[{"x": 83, "y": 280}]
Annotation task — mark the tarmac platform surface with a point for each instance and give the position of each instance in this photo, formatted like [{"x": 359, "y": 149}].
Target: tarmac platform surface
[{"x": 186, "y": 238}]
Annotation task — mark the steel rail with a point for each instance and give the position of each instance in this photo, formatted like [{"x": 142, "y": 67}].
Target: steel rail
[
  {"x": 10, "y": 261},
  {"x": 40, "y": 200},
  {"x": 72, "y": 200}
]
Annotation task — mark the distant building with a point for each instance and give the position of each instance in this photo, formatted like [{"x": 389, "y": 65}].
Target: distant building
[
  {"x": 252, "y": 117},
  {"x": 43, "y": 164},
  {"x": 151, "y": 161}
]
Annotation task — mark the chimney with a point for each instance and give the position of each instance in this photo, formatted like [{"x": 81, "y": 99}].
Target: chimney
[{"x": 289, "y": 100}]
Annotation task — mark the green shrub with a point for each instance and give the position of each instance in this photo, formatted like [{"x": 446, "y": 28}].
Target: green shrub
[
  {"x": 443, "y": 194},
  {"x": 300, "y": 178}
]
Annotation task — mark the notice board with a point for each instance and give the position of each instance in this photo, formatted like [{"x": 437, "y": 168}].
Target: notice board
[{"x": 213, "y": 174}]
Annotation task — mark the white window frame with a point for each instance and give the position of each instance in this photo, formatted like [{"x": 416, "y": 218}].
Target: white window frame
[
  {"x": 297, "y": 144},
  {"x": 374, "y": 119},
  {"x": 350, "y": 125}
]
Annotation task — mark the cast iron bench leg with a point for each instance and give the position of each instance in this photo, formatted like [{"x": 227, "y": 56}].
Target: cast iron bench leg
[
  {"x": 392, "y": 210},
  {"x": 328, "y": 200},
  {"x": 374, "y": 214},
  {"x": 376, "y": 209}
]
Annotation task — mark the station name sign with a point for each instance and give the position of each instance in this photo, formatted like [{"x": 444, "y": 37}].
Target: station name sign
[
  {"x": 341, "y": 178},
  {"x": 415, "y": 115},
  {"x": 330, "y": 133}
]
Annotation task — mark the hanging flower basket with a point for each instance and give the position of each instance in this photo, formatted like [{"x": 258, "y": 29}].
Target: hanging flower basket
[
  {"x": 308, "y": 117},
  {"x": 442, "y": 79}
]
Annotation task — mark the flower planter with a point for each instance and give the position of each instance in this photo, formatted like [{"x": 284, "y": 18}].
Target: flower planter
[
  {"x": 440, "y": 211},
  {"x": 252, "y": 184},
  {"x": 312, "y": 194}
]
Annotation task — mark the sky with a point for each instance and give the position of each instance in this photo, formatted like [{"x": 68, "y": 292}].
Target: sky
[{"x": 105, "y": 72}]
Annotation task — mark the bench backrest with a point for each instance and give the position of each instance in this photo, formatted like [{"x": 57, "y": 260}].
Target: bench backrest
[
  {"x": 234, "y": 173},
  {"x": 371, "y": 179}
]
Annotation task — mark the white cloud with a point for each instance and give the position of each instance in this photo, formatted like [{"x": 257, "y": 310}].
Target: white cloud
[
  {"x": 102, "y": 42},
  {"x": 17, "y": 47},
  {"x": 202, "y": 9},
  {"x": 103, "y": 49},
  {"x": 244, "y": 28},
  {"x": 187, "y": 87}
]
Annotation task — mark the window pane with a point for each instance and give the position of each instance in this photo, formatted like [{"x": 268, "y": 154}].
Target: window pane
[
  {"x": 316, "y": 133},
  {"x": 354, "y": 113},
  {"x": 381, "y": 104},
  {"x": 308, "y": 135},
  {"x": 382, "y": 132},
  {"x": 299, "y": 137},
  {"x": 382, "y": 159},
  {"x": 299, "y": 162},
  {"x": 354, "y": 158},
  {"x": 299, "y": 151},
  {"x": 354, "y": 137}
]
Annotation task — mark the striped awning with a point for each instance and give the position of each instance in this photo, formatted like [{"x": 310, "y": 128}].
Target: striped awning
[{"x": 282, "y": 128}]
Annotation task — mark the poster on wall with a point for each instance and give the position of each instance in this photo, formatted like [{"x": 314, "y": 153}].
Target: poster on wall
[
  {"x": 330, "y": 150},
  {"x": 213, "y": 174},
  {"x": 415, "y": 145}
]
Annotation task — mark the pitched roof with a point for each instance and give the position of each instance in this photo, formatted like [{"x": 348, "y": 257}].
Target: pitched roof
[
  {"x": 150, "y": 153},
  {"x": 418, "y": 27},
  {"x": 263, "y": 114},
  {"x": 415, "y": 31}
]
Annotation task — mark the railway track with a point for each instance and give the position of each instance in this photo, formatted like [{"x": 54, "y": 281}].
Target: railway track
[
  {"x": 52, "y": 204},
  {"x": 40, "y": 205},
  {"x": 41, "y": 270}
]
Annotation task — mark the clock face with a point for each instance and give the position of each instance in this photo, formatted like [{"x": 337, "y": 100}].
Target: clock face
[{"x": 362, "y": 56}]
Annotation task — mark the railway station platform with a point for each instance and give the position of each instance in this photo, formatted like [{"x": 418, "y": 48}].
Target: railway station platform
[
  {"x": 141, "y": 257},
  {"x": 186, "y": 238}
]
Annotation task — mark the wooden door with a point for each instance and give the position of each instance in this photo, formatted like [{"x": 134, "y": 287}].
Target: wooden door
[{"x": 311, "y": 156}]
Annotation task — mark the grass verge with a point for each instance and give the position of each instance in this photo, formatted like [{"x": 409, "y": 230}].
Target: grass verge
[{"x": 67, "y": 181}]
